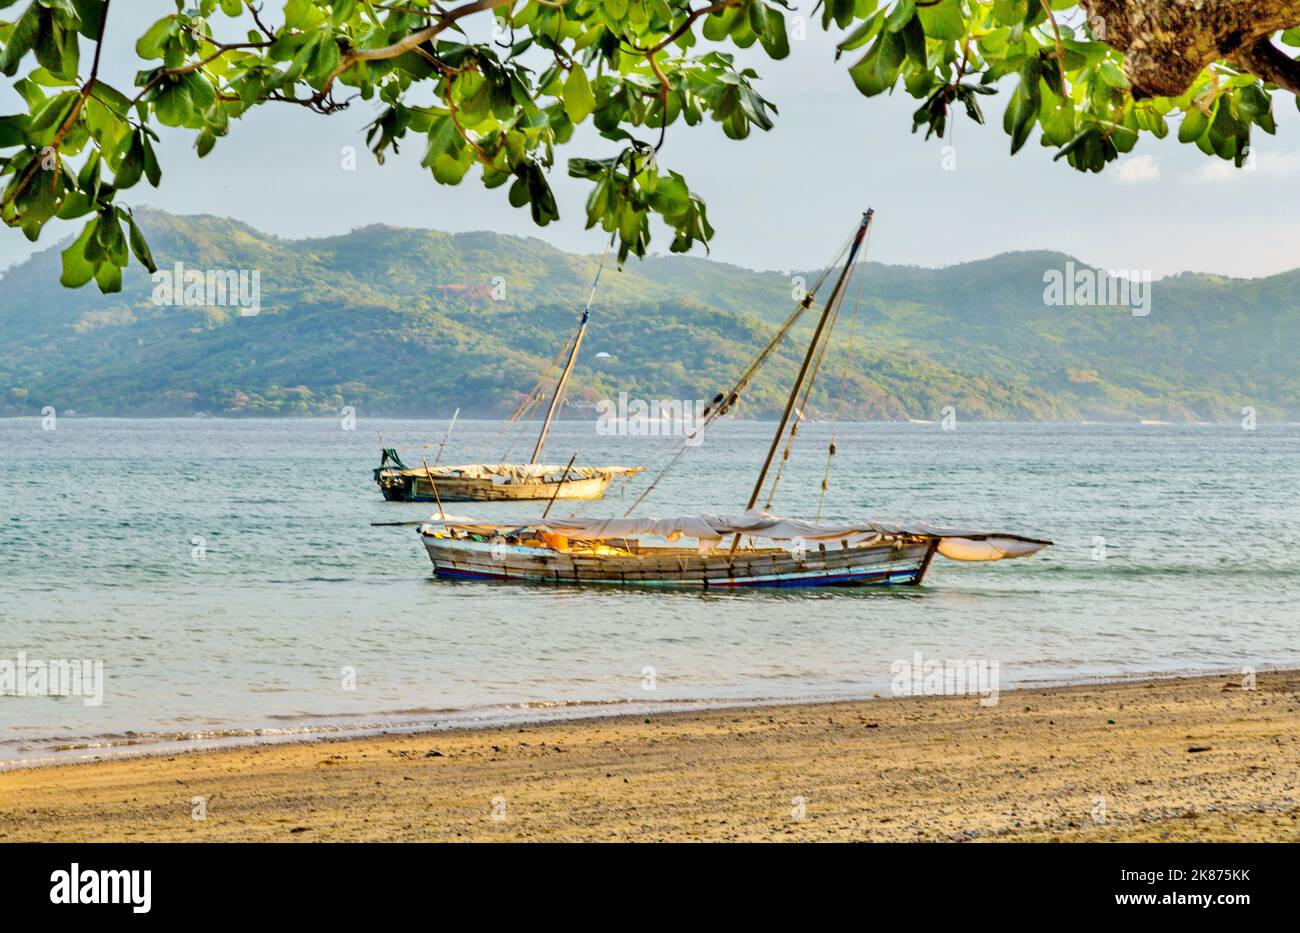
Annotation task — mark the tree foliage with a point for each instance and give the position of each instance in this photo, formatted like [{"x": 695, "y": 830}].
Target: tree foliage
[{"x": 1083, "y": 75}]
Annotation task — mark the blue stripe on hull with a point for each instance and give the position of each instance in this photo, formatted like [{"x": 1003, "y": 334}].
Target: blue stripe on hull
[
  {"x": 434, "y": 499},
  {"x": 874, "y": 578}
]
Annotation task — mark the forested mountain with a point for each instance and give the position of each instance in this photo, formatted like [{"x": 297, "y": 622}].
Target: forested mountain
[{"x": 417, "y": 322}]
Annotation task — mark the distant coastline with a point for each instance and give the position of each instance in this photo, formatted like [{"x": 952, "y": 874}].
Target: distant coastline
[
  {"x": 385, "y": 319},
  {"x": 767, "y": 418}
]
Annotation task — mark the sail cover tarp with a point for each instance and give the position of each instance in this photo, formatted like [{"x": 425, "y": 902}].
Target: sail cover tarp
[
  {"x": 519, "y": 472},
  {"x": 709, "y": 529}
]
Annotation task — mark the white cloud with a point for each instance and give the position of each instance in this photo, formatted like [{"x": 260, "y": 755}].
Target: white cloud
[
  {"x": 1137, "y": 169},
  {"x": 1217, "y": 171},
  {"x": 1265, "y": 164}
]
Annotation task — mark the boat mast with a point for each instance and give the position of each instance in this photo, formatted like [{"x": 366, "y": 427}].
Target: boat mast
[
  {"x": 808, "y": 358},
  {"x": 573, "y": 354},
  {"x": 559, "y": 386},
  {"x": 446, "y": 437}
]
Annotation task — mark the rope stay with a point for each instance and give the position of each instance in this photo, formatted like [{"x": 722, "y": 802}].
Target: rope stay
[
  {"x": 564, "y": 360},
  {"x": 839, "y": 403},
  {"x": 724, "y": 402},
  {"x": 802, "y": 406},
  {"x": 806, "y": 397}
]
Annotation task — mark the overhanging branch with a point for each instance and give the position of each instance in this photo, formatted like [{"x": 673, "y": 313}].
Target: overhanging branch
[
  {"x": 1265, "y": 60},
  {"x": 1167, "y": 43}
]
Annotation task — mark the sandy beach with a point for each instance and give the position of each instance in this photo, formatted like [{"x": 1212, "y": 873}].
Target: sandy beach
[{"x": 1188, "y": 759}]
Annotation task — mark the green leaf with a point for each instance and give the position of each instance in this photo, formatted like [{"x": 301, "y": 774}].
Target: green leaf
[
  {"x": 1022, "y": 112},
  {"x": 50, "y": 116},
  {"x": 324, "y": 59},
  {"x": 877, "y": 70},
  {"x": 863, "y": 33},
  {"x": 579, "y": 101},
  {"x": 1010, "y": 12},
  {"x": 90, "y": 16},
  {"x": 449, "y": 169},
  {"x": 205, "y": 141},
  {"x": 13, "y": 130},
  {"x": 298, "y": 14},
  {"x": 542, "y": 201},
  {"x": 88, "y": 179},
  {"x": 943, "y": 20},
  {"x": 22, "y": 40},
  {"x": 773, "y": 36},
  {"x": 154, "y": 40},
  {"x": 1193, "y": 126},
  {"x": 131, "y": 165},
  {"x": 1224, "y": 131},
  {"x": 56, "y": 47},
  {"x": 173, "y": 104},
  {"x": 151, "y": 169},
  {"x": 139, "y": 246},
  {"x": 1112, "y": 74},
  {"x": 77, "y": 269},
  {"x": 914, "y": 40},
  {"x": 109, "y": 277},
  {"x": 588, "y": 168},
  {"x": 75, "y": 204},
  {"x": 342, "y": 12},
  {"x": 1082, "y": 137},
  {"x": 717, "y": 26},
  {"x": 900, "y": 15},
  {"x": 111, "y": 238}
]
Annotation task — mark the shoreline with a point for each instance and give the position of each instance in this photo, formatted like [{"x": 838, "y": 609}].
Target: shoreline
[
  {"x": 1170, "y": 758},
  {"x": 120, "y": 746}
]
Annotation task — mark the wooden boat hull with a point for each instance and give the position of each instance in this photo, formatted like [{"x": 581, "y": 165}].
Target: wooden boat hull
[
  {"x": 903, "y": 563},
  {"x": 409, "y": 488}
]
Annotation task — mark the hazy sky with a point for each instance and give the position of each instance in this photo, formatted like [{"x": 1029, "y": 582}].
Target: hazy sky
[{"x": 782, "y": 199}]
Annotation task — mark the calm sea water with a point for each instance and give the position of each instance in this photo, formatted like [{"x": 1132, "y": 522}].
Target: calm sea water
[{"x": 227, "y": 575}]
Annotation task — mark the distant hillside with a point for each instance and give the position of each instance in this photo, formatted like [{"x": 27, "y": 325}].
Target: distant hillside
[{"x": 416, "y": 322}]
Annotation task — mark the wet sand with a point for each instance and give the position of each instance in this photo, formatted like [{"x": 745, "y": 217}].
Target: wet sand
[{"x": 1188, "y": 759}]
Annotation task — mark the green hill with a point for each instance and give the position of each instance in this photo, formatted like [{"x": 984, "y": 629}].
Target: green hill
[{"x": 416, "y": 322}]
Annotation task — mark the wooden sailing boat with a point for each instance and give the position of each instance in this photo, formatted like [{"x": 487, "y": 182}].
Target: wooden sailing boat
[
  {"x": 778, "y": 552},
  {"x": 486, "y": 482}
]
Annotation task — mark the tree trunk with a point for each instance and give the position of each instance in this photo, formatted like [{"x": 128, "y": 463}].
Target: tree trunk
[{"x": 1167, "y": 43}]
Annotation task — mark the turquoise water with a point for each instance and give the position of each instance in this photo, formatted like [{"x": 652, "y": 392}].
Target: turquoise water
[{"x": 252, "y": 638}]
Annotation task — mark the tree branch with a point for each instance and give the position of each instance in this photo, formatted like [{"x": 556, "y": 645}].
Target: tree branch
[
  {"x": 1167, "y": 43},
  {"x": 685, "y": 24},
  {"x": 1265, "y": 60},
  {"x": 99, "y": 43},
  {"x": 407, "y": 43}
]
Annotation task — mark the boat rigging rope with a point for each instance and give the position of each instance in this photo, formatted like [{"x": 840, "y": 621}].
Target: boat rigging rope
[
  {"x": 839, "y": 403},
  {"x": 724, "y": 402},
  {"x": 802, "y": 407},
  {"x": 538, "y": 392},
  {"x": 812, "y": 375},
  {"x": 530, "y": 401}
]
